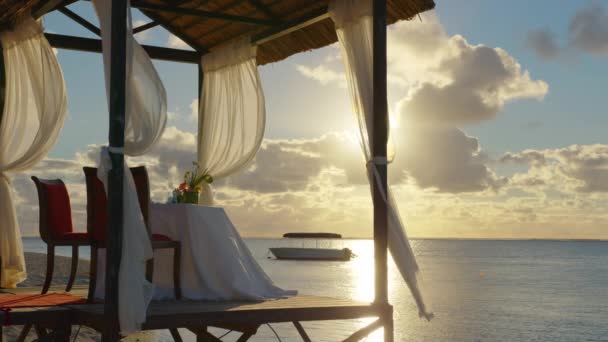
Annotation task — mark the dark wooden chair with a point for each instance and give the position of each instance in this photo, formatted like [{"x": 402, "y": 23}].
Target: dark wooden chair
[
  {"x": 56, "y": 227},
  {"x": 97, "y": 224}
]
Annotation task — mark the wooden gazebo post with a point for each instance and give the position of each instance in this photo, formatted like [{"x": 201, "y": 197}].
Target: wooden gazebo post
[
  {"x": 2, "y": 95},
  {"x": 380, "y": 131},
  {"x": 115, "y": 176}
]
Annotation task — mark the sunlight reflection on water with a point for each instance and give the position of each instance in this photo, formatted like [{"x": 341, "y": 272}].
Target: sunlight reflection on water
[{"x": 350, "y": 280}]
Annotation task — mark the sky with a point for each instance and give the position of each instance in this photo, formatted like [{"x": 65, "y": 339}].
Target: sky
[{"x": 498, "y": 121}]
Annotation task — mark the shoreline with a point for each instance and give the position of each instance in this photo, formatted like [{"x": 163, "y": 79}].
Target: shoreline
[{"x": 35, "y": 264}]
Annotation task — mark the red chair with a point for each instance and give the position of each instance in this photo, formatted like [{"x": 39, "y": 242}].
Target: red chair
[
  {"x": 56, "y": 227},
  {"x": 97, "y": 222}
]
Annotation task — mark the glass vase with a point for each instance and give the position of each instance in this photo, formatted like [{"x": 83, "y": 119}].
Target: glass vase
[{"x": 191, "y": 197}]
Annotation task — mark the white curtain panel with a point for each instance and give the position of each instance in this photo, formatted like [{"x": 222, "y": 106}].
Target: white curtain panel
[
  {"x": 146, "y": 115},
  {"x": 232, "y": 112},
  {"x": 146, "y": 107},
  {"x": 353, "y": 20},
  {"x": 33, "y": 115}
]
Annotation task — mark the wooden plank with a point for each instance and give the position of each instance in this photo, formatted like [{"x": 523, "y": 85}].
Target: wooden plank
[
  {"x": 302, "y": 332},
  {"x": 47, "y": 316},
  {"x": 282, "y": 30},
  {"x": 80, "y": 20},
  {"x": 203, "y": 14},
  {"x": 44, "y": 7},
  {"x": 172, "y": 314},
  {"x": 144, "y": 27},
  {"x": 77, "y": 290},
  {"x": 263, "y": 8},
  {"x": 175, "y": 314},
  {"x": 94, "y": 45}
]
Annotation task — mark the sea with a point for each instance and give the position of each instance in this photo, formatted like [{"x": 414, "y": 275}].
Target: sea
[{"x": 479, "y": 290}]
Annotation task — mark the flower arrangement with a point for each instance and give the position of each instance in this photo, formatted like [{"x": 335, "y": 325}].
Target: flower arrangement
[{"x": 189, "y": 190}]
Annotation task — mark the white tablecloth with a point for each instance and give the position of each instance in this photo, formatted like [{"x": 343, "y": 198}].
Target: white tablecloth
[{"x": 216, "y": 264}]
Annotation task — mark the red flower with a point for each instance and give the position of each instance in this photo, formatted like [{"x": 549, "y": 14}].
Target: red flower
[{"x": 183, "y": 186}]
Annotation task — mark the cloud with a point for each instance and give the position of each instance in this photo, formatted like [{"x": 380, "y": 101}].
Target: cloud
[
  {"x": 194, "y": 110},
  {"x": 477, "y": 82},
  {"x": 588, "y": 29},
  {"x": 445, "y": 159},
  {"x": 542, "y": 42},
  {"x": 587, "y": 33},
  {"x": 323, "y": 74},
  {"x": 321, "y": 182},
  {"x": 174, "y": 42},
  {"x": 446, "y": 83},
  {"x": 303, "y": 182},
  {"x": 576, "y": 168}
]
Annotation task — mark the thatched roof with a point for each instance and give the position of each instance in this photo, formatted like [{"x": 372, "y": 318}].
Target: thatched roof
[{"x": 207, "y": 24}]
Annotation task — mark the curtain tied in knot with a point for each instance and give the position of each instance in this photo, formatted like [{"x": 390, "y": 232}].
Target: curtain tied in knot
[
  {"x": 372, "y": 169},
  {"x": 5, "y": 177}
]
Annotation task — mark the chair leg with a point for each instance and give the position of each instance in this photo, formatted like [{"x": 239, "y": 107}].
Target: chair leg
[
  {"x": 177, "y": 284},
  {"x": 73, "y": 269},
  {"x": 92, "y": 274},
  {"x": 50, "y": 265}
]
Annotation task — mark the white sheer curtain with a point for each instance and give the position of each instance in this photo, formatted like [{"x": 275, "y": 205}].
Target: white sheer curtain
[
  {"x": 145, "y": 118},
  {"x": 232, "y": 112},
  {"x": 34, "y": 111},
  {"x": 353, "y": 20}
]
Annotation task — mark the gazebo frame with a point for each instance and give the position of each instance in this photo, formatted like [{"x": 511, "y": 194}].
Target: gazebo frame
[{"x": 278, "y": 29}]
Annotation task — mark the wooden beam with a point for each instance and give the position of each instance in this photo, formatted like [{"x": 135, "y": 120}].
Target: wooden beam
[
  {"x": 2, "y": 97},
  {"x": 202, "y": 13},
  {"x": 117, "y": 107},
  {"x": 217, "y": 28},
  {"x": 45, "y": 7},
  {"x": 145, "y": 26},
  {"x": 189, "y": 41},
  {"x": 94, "y": 45},
  {"x": 192, "y": 43},
  {"x": 201, "y": 78},
  {"x": 301, "y": 331},
  {"x": 263, "y": 8},
  {"x": 80, "y": 20},
  {"x": 379, "y": 142},
  {"x": 192, "y": 3},
  {"x": 308, "y": 19}
]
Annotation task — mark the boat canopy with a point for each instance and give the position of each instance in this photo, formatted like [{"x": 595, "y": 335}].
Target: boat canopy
[{"x": 313, "y": 235}]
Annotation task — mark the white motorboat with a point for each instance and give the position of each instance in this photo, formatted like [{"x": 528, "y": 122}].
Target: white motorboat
[{"x": 296, "y": 253}]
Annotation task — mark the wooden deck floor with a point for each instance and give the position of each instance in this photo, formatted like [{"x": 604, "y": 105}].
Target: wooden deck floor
[
  {"x": 187, "y": 314},
  {"x": 171, "y": 314}
]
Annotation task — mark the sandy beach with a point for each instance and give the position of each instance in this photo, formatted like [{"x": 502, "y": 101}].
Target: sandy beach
[{"x": 36, "y": 268}]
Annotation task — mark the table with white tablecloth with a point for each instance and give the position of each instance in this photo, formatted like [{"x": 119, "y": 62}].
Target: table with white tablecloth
[{"x": 215, "y": 262}]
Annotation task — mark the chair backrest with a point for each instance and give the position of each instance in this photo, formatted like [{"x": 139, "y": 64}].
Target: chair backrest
[
  {"x": 142, "y": 184},
  {"x": 97, "y": 201},
  {"x": 55, "y": 208}
]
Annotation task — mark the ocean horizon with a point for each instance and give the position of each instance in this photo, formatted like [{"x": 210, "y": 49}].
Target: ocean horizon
[{"x": 480, "y": 290}]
